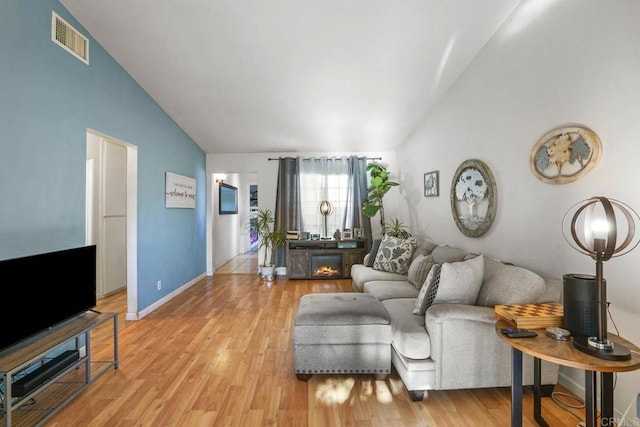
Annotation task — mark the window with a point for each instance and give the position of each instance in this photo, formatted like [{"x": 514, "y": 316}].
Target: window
[
  {"x": 303, "y": 183},
  {"x": 316, "y": 187}
]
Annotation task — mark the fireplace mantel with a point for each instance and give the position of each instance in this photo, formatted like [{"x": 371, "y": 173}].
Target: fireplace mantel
[{"x": 339, "y": 255}]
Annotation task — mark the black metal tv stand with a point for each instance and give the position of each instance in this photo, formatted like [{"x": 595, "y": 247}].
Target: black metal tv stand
[{"x": 40, "y": 376}]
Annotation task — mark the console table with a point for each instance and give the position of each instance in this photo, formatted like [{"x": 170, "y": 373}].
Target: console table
[
  {"x": 564, "y": 353},
  {"x": 55, "y": 388},
  {"x": 307, "y": 259}
]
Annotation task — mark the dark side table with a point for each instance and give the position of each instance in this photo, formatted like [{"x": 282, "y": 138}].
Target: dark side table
[{"x": 563, "y": 353}]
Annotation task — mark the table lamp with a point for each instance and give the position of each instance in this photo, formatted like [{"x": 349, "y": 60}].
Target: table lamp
[
  {"x": 325, "y": 210},
  {"x": 596, "y": 225}
]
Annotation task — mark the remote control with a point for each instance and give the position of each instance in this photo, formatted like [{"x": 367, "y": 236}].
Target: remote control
[{"x": 519, "y": 333}]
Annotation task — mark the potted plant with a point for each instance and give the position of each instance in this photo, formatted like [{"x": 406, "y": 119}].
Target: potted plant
[
  {"x": 380, "y": 185},
  {"x": 397, "y": 229},
  {"x": 269, "y": 239}
]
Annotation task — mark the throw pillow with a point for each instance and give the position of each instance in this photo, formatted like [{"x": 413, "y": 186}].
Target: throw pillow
[
  {"x": 418, "y": 270},
  {"x": 460, "y": 281},
  {"x": 446, "y": 253},
  {"x": 373, "y": 252},
  {"x": 394, "y": 254},
  {"x": 508, "y": 284},
  {"x": 424, "y": 247},
  {"x": 428, "y": 291}
]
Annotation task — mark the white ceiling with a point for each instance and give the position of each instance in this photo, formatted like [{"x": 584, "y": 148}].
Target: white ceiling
[{"x": 294, "y": 75}]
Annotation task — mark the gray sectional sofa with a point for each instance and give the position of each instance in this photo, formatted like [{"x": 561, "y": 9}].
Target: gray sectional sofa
[{"x": 454, "y": 345}]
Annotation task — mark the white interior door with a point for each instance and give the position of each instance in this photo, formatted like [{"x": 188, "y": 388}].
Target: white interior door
[{"x": 114, "y": 217}]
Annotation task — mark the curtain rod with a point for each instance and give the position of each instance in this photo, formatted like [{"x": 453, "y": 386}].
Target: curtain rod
[{"x": 308, "y": 158}]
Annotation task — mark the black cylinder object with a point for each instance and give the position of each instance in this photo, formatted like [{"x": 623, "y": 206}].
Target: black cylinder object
[{"x": 580, "y": 296}]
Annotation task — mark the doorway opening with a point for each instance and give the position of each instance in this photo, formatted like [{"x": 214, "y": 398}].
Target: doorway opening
[
  {"x": 230, "y": 235},
  {"x": 111, "y": 210}
]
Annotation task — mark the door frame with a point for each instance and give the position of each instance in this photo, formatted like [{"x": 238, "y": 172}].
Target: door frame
[{"x": 131, "y": 218}]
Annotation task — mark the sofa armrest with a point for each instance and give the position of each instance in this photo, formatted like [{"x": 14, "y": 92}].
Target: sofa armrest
[
  {"x": 439, "y": 313},
  {"x": 468, "y": 352}
]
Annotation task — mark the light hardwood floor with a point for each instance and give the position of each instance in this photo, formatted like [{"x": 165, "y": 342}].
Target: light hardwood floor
[{"x": 220, "y": 354}]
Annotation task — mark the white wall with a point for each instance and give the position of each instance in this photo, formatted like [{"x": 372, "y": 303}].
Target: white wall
[
  {"x": 554, "y": 63},
  {"x": 257, "y": 168}
]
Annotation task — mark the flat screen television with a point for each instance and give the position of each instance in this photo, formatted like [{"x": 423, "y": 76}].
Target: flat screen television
[
  {"x": 228, "y": 197},
  {"x": 45, "y": 290}
]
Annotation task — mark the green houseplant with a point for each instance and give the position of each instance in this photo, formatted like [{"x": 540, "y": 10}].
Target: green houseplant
[
  {"x": 396, "y": 228},
  {"x": 378, "y": 187},
  {"x": 269, "y": 239}
]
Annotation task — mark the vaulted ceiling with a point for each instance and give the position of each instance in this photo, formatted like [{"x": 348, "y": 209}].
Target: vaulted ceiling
[{"x": 294, "y": 75}]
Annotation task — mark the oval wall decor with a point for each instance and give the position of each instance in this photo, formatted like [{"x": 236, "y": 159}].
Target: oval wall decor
[
  {"x": 474, "y": 198},
  {"x": 565, "y": 154}
]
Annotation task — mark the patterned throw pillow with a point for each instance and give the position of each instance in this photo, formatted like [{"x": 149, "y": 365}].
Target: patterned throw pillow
[
  {"x": 418, "y": 270},
  {"x": 372, "y": 253},
  {"x": 395, "y": 254},
  {"x": 428, "y": 291}
]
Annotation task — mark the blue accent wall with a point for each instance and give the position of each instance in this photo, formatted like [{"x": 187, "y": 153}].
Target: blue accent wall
[{"x": 48, "y": 101}]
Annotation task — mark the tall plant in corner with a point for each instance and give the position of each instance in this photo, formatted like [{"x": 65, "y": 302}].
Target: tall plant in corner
[
  {"x": 269, "y": 238},
  {"x": 379, "y": 186}
]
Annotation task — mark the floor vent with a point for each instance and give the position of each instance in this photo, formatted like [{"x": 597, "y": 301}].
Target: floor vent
[{"x": 69, "y": 38}]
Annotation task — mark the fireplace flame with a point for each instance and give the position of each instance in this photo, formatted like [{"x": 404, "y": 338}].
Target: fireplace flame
[{"x": 326, "y": 271}]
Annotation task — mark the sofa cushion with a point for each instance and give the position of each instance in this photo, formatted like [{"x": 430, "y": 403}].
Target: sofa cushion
[
  {"x": 508, "y": 284},
  {"x": 372, "y": 253},
  {"x": 552, "y": 290},
  {"x": 460, "y": 281},
  {"x": 408, "y": 334},
  {"x": 361, "y": 274},
  {"x": 428, "y": 291},
  {"x": 445, "y": 253},
  {"x": 419, "y": 269},
  {"x": 394, "y": 254},
  {"x": 424, "y": 247},
  {"x": 340, "y": 318},
  {"x": 390, "y": 289}
]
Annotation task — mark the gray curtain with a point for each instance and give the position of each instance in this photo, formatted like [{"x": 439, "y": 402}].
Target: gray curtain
[
  {"x": 357, "y": 195},
  {"x": 288, "y": 208}
]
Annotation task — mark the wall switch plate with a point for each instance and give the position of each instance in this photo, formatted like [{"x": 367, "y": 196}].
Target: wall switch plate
[{"x": 159, "y": 284}]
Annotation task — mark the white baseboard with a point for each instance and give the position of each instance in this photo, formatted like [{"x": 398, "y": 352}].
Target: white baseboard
[{"x": 166, "y": 298}]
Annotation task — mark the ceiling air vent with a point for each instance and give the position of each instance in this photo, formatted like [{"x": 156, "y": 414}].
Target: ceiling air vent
[{"x": 69, "y": 38}]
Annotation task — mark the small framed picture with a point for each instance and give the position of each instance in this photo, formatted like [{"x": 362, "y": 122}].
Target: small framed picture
[
  {"x": 358, "y": 233},
  {"x": 346, "y": 234},
  {"x": 431, "y": 183}
]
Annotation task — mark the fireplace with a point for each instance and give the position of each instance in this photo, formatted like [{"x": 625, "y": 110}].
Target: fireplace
[{"x": 326, "y": 265}]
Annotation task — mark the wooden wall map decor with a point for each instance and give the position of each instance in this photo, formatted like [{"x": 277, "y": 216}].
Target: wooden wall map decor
[
  {"x": 474, "y": 198},
  {"x": 565, "y": 154}
]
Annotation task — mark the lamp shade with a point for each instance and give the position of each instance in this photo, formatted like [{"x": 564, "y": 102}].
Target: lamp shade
[
  {"x": 604, "y": 222},
  {"x": 326, "y": 208}
]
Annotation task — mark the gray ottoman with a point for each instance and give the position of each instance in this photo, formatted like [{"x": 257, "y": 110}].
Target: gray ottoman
[{"x": 341, "y": 333}]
